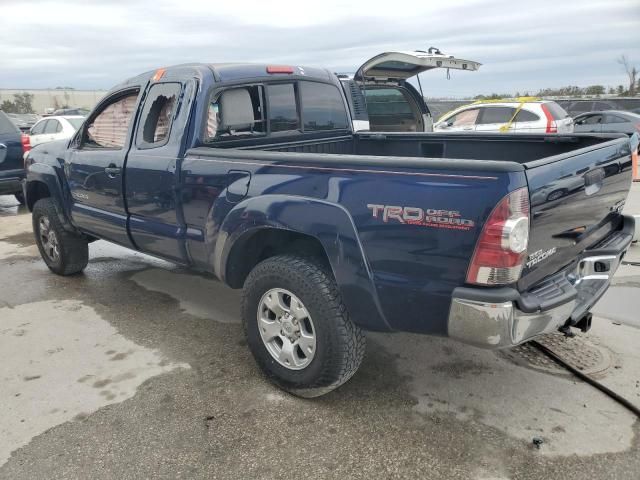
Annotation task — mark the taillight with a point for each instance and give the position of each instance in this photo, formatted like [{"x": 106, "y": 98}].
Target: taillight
[
  {"x": 26, "y": 142},
  {"x": 502, "y": 247},
  {"x": 552, "y": 126}
]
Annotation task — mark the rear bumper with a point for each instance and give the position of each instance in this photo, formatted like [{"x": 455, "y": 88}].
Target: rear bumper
[{"x": 503, "y": 317}]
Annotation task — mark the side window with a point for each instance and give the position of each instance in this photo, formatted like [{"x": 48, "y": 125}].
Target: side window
[
  {"x": 592, "y": 120},
  {"x": 322, "y": 107},
  {"x": 496, "y": 115},
  {"x": 283, "y": 111},
  {"x": 614, "y": 119},
  {"x": 526, "y": 116},
  {"x": 236, "y": 112},
  {"x": 108, "y": 129},
  {"x": 464, "y": 118},
  {"x": 157, "y": 115},
  {"x": 53, "y": 126},
  {"x": 38, "y": 128}
]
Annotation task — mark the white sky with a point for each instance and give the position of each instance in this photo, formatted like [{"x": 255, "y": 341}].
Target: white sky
[{"x": 522, "y": 45}]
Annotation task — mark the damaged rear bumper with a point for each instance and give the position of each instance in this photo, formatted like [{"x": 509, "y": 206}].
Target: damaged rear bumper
[{"x": 504, "y": 317}]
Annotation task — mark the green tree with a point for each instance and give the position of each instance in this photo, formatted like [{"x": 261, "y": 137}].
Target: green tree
[
  {"x": 8, "y": 106},
  {"x": 23, "y": 102}
]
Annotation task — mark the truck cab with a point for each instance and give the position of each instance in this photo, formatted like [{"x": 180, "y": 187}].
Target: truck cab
[{"x": 382, "y": 99}]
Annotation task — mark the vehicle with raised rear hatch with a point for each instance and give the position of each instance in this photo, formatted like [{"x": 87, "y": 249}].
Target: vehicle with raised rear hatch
[
  {"x": 253, "y": 173},
  {"x": 379, "y": 94},
  {"x": 522, "y": 115}
]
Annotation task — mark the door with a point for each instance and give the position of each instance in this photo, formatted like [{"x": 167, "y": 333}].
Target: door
[
  {"x": 403, "y": 65},
  {"x": 156, "y": 223},
  {"x": 589, "y": 123},
  {"x": 37, "y": 135},
  {"x": 529, "y": 122},
  {"x": 94, "y": 167},
  {"x": 463, "y": 121},
  {"x": 493, "y": 119}
]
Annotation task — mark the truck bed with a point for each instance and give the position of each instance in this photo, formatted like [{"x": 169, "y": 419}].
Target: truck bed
[
  {"x": 577, "y": 183},
  {"x": 499, "y": 147}
]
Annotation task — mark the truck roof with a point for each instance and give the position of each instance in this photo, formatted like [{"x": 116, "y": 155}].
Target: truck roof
[{"x": 228, "y": 72}]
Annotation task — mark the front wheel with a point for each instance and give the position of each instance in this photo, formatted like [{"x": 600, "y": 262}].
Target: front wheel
[
  {"x": 298, "y": 328},
  {"x": 64, "y": 252}
]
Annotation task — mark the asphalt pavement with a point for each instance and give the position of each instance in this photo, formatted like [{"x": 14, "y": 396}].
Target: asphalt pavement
[{"x": 138, "y": 369}]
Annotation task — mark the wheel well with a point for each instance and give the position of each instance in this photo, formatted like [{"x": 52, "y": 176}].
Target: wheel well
[
  {"x": 36, "y": 191},
  {"x": 265, "y": 243}
]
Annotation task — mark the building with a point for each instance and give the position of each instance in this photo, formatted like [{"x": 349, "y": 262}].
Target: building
[{"x": 46, "y": 100}]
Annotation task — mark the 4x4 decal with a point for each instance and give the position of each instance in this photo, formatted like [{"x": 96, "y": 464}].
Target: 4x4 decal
[{"x": 429, "y": 217}]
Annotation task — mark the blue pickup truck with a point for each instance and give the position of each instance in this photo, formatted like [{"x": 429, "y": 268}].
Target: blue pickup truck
[{"x": 253, "y": 173}]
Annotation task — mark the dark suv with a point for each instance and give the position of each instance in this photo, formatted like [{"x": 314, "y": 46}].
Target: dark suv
[{"x": 11, "y": 163}]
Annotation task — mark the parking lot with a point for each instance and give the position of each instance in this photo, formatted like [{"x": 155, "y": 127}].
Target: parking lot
[{"x": 137, "y": 368}]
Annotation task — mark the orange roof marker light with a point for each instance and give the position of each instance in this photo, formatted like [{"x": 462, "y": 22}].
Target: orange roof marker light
[
  {"x": 159, "y": 74},
  {"x": 279, "y": 69}
]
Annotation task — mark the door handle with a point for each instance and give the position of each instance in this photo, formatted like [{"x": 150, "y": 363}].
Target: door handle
[{"x": 112, "y": 171}]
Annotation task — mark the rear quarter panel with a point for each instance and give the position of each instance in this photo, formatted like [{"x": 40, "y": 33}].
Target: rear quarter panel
[{"x": 410, "y": 267}]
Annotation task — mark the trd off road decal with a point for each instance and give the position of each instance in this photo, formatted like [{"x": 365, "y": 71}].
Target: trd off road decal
[{"x": 417, "y": 216}]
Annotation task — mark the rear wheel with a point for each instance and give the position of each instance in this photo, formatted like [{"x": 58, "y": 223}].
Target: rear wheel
[
  {"x": 65, "y": 253},
  {"x": 297, "y": 326}
]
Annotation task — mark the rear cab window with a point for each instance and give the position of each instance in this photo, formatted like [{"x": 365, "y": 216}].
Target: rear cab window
[
  {"x": 286, "y": 108},
  {"x": 322, "y": 107}
]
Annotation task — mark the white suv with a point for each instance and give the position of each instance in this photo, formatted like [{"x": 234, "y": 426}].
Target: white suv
[{"x": 511, "y": 116}]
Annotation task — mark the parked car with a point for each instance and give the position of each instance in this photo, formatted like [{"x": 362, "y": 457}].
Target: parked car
[
  {"x": 525, "y": 115},
  {"x": 382, "y": 99},
  {"x": 253, "y": 173},
  {"x": 24, "y": 121},
  {"x": 53, "y": 128},
  {"x": 11, "y": 165},
  {"x": 71, "y": 111},
  {"x": 608, "y": 121}
]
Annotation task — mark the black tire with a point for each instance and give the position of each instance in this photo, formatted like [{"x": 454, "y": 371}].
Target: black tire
[
  {"x": 20, "y": 198},
  {"x": 340, "y": 344},
  {"x": 72, "y": 252}
]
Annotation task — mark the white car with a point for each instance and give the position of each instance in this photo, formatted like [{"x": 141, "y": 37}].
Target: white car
[
  {"x": 513, "y": 116},
  {"x": 53, "y": 128}
]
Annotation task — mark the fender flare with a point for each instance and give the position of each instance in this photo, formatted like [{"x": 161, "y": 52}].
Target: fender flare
[
  {"x": 46, "y": 174},
  {"x": 330, "y": 224}
]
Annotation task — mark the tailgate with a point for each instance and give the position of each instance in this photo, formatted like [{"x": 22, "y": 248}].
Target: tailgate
[{"x": 576, "y": 200}]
